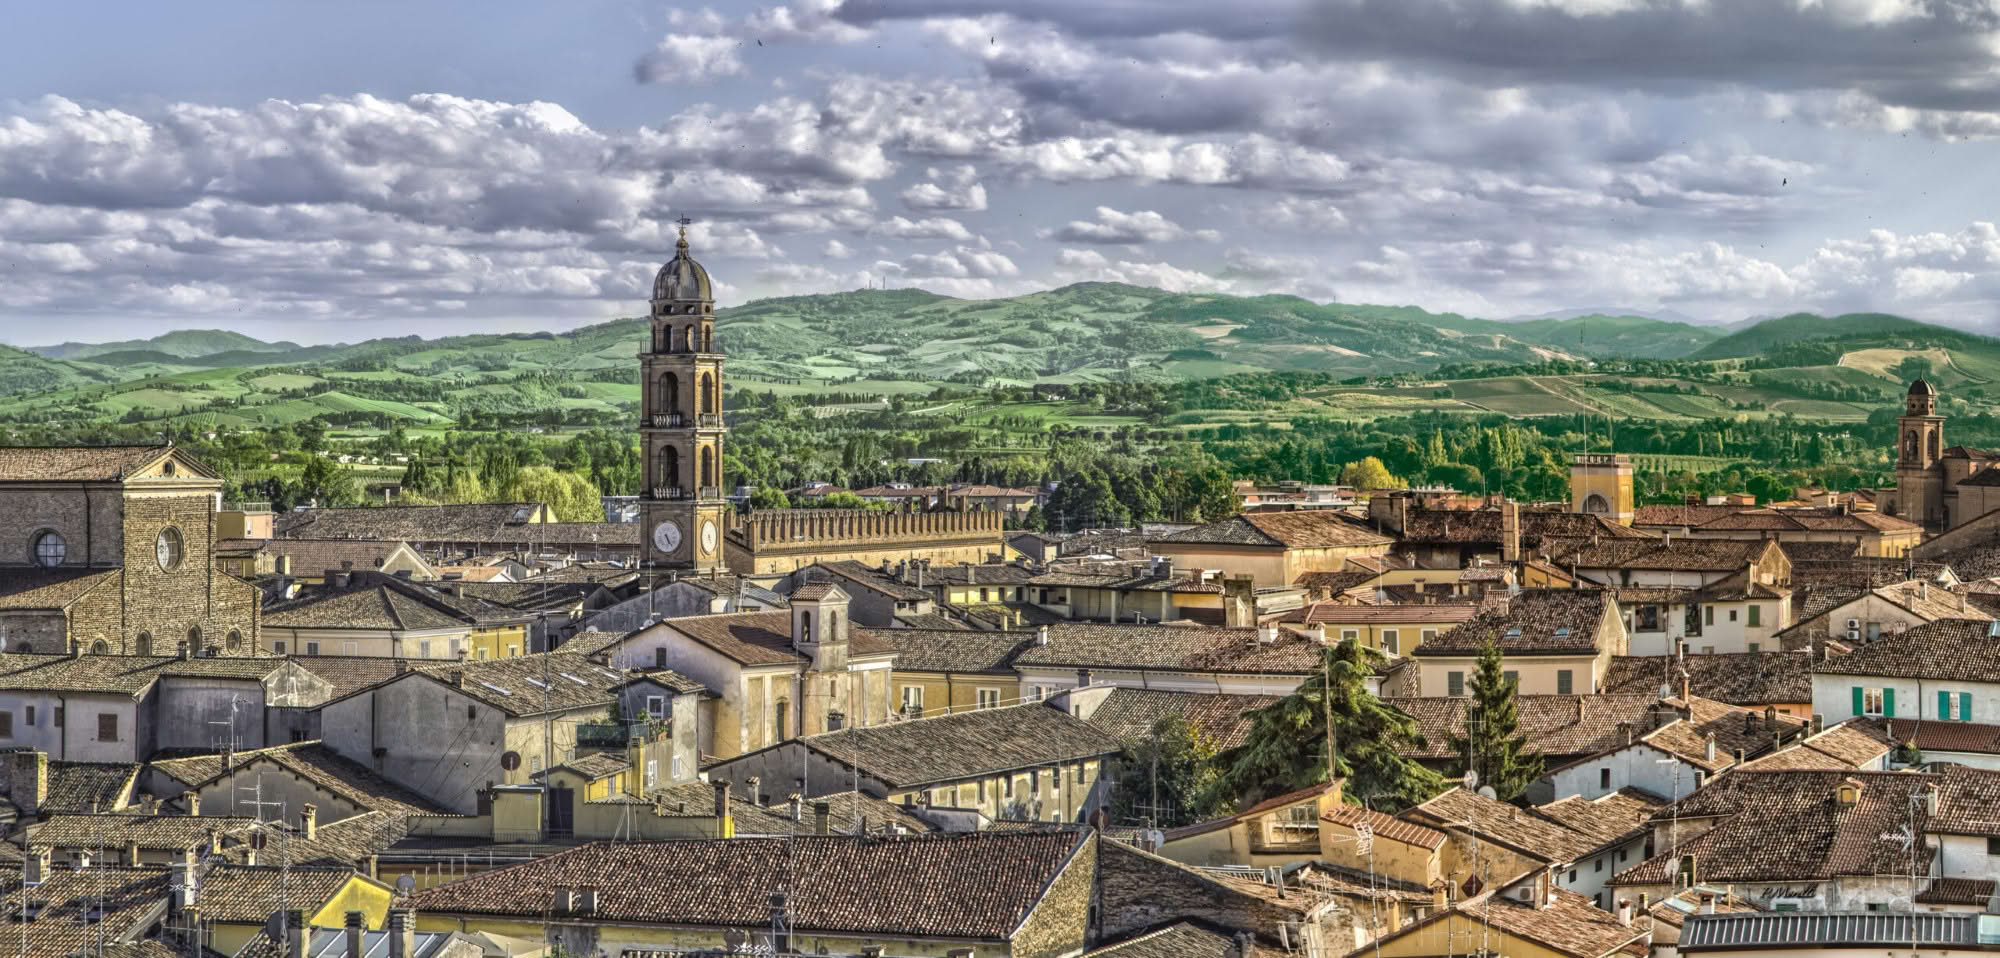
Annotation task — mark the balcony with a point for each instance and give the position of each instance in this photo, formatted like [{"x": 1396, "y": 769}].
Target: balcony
[
  {"x": 669, "y": 492},
  {"x": 664, "y": 420},
  {"x": 711, "y": 492},
  {"x": 711, "y": 420}
]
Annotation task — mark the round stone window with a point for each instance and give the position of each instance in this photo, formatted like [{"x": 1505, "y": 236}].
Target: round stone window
[
  {"x": 169, "y": 549},
  {"x": 50, "y": 549}
]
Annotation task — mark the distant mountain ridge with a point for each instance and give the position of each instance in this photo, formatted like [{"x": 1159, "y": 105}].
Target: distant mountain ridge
[{"x": 179, "y": 344}]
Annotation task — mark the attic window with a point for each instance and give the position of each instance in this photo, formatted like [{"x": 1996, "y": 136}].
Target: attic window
[
  {"x": 521, "y": 514},
  {"x": 1561, "y": 631},
  {"x": 1513, "y": 633},
  {"x": 497, "y": 688}
]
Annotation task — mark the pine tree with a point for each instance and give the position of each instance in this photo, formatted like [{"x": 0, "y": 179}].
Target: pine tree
[
  {"x": 1493, "y": 743},
  {"x": 1285, "y": 749}
]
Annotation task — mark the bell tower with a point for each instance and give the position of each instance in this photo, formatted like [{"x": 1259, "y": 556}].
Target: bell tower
[
  {"x": 680, "y": 420},
  {"x": 1919, "y": 446}
]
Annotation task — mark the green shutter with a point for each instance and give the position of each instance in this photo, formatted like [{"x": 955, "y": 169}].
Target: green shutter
[
  {"x": 1888, "y": 703},
  {"x": 1965, "y": 706},
  {"x": 1944, "y": 705},
  {"x": 1857, "y": 700}
]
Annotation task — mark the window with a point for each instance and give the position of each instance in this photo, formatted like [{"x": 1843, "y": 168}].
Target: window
[
  {"x": 1035, "y": 783},
  {"x": 660, "y": 657},
  {"x": 100, "y": 647},
  {"x": 1426, "y": 636},
  {"x": 1621, "y": 854},
  {"x": 482, "y": 655},
  {"x": 29, "y": 720},
  {"x": 989, "y": 698},
  {"x": 235, "y": 640},
  {"x": 168, "y": 550},
  {"x": 1732, "y": 615},
  {"x": 1565, "y": 683},
  {"x": 194, "y": 639},
  {"x": 50, "y": 550},
  {"x": 1604, "y": 778},
  {"x": 781, "y": 716},
  {"x": 1597, "y": 864},
  {"x": 1007, "y": 784},
  {"x": 58, "y": 716},
  {"x": 513, "y": 651},
  {"x": 982, "y": 595},
  {"x": 1708, "y": 649},
  {"x": 1454, "y": 683},
  {"x": 656, "y": 706},
  {"x": 1993, "y": 845},
  {"x": 1389, "y": 640},
  {"x": 913, "y": 699},
  {"x": 423, "y": 648},
  {"x": 1873, "y": 702},
  {"x": 312, "y": 648},
  {"x": 107, "y": 727},
  {"x": 145, "y": 643},
  {"x": 1646, "y": 618},
  {"x": 1512, "y": 678},
  {"x": 278, "y": 647},
  {"x": 1349, "y": 635},
  {"x": 1756, "y": 613},
  {"x": 1752, "y": 646},
  {"x": 1709, "y": 614},
  {"x": 6, "y": 725},
  {"x": 1572, "y": 876}
]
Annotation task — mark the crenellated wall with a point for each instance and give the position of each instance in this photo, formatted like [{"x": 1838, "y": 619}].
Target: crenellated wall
[{"x": 782, "y": 540}]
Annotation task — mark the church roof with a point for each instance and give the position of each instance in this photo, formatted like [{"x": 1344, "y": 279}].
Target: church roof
[
  {"x": 682, "y": 278},
  {"x": 83, "y": 463},
  {"x": 1922, "y": 388}
]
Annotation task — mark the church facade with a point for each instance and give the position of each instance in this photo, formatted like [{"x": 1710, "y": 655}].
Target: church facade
[
  {"x": 688, "y": 526},
  {"x": 109, "y": 549},
  {"x": 1938, "y": 487}
]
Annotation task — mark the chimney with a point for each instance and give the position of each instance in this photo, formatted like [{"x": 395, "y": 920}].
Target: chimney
[
  {"x": 1083, "y": 677},
  {"x": 1923, "y": 590},
  {"x": 309, "y": 821},
  {"x": 1818, "y": 723},
  {"x": 35, "y": 866},
  {"x": 31, "y": 782},
  {"x": 1708, "y": 748},
  {"x": 1041, "y": 636},
  {"x": 1625, "y": 732},
  {"x": 1625, "y": 912},
  {"x": 186, "y": 651},
  {"x": 1267, "y": 635},
  {"x": 972, "y": 573},
  {"x": 1246, "y": 945},
  {"x": 294, "y": 922},
  {"x": 1510, "y": 531},
  {"x": 721, "y": 804},
  {"x": 456, "y": 678},
  {"x": 921, "y": 566},
  {"x": 753, "y": 790},
  {"x": 1708, "y": 903},
  {"x": 354, "y": 929},
  {"x": 402, "y": 933},
  {"x": 192, "y": 799},
  {"x": 795, "y": 807},
  {"x": 1931, "y": 799},
  {"x": 822, "y": 818},
  {"x": 131, "y": 854},
  {"x": 1440, "y": 897}
]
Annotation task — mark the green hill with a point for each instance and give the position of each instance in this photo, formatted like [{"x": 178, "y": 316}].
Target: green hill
[
  {"x": 1771, "y": 334},
  {"x": 24, "y": 372},
  {"x": 1600, "y": 336},
  {"x": 180, "y": 343}
]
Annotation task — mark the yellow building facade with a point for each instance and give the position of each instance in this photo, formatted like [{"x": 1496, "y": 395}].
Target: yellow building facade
[{"x": 1601, "y": 484}]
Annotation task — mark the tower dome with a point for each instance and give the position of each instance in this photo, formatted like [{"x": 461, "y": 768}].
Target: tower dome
[
  {"x": 682, "y": 280},
  {"x": 1918, "y": 388}
]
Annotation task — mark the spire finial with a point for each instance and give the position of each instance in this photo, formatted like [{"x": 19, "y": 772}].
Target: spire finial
[{"x": 682, "y": 244}]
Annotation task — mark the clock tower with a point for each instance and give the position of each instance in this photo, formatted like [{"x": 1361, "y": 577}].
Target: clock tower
[{"x": 680, "y": 421}]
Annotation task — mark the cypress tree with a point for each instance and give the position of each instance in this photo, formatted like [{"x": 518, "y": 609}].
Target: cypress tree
[{"x": 1493, "y": 744}]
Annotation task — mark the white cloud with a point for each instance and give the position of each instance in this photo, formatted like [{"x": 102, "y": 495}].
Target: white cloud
[
  {"x": 1142, "y": 226},
  {"x": 690, "y": 58},
  {"x": 957, "y": 188},
  {"x": 931, "y": 228},
  {"x": 835, "y": 249}
]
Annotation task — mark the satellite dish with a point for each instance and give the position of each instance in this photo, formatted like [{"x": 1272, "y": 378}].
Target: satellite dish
[
  {"x": 1471, "y": 779},
  {"x": 405, "y": 885},
  {"x": 1486, "y": 791},
  {"x": 510, "y": 761}
]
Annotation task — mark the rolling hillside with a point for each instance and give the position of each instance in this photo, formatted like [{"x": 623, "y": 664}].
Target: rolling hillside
[
  {"x": 181, "y": 344},
  {"x": 1771, "y": 334}
]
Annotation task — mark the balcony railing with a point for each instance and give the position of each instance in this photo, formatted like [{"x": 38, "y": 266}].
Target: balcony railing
[
  {"x": 669, "y": 492},
  {"x": 711, "y": 492},
  {"x": 711, "y": 420},
  {"x": 665, "y": 420}
]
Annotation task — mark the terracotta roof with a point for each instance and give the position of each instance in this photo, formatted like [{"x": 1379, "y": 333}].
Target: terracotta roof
[
  {"x": 1818, "y": 551},
  {"x": 1223, "y": 719},
  {"x": 762, "y": 638},
  {"x": 929, "y": 650},
  {"x": 114, "y": 831},
  {"x": 1945, "y": 650},
  {"x": 1957, "y": 891},
  {"x": 544, "y": 681},
  {"x": 1539, "y": 527},
  {"x": 1386, "y": 825},
  {"x": 1786, "y": 826},
  {"x": 977, "y": 885},
  {"x": 1535, "y": 622},
  {"x": 350, "y": 673},
  {"x": 871, "y": 577},
  {"x": 1137, "y": 577},
  {"x": 131, "y": 898},
  {"x": 1865, "y": 572},
  {"x": 1845, "y": 746},
  {"x": 1174, "y": 648},
  {"x": 1940, "y": 736},
  {"x": 491, "y": 522},
  {"x": 595, "y": 765},
  {"x": 1738, "y": 678},
  {"x": 1556, "y": 725},
  {"x": 1966, "y": 802},
  {"x": 377, "y": 607},
  {"x": 963, "y": 745},
  {"x": 1300, "y": 796},
  {"x": 1678, "y": 555},
  {"x": 129, "y": 674},
  {"x": 813, "y": 592},
  {"x": 88, "y": 786},
  {"x": 250, "y": 893},
  {"x": 1334, "y": 614},
  {"x": 1522, "y": 830},
  {"x": 1607, "y": 818},
  {"x": 78, "y": 463},
  {"x": 1180, "y": 940},
  {"x": 1334, "y": 583},
  {"x": 846, "y": 811},
  {"x": 313, "y": 763},
  {"x": 312, "y": 557},
  {"x": 1309, "y": 529},
  {"x": 23, "y": 588},
  {"x": 1681, "y": 515}
]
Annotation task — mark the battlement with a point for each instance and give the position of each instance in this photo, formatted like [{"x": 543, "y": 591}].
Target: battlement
[{"x": 816, "y": 529}]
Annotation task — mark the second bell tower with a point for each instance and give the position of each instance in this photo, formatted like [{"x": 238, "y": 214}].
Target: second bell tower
[{"x": 680, "y": 421}]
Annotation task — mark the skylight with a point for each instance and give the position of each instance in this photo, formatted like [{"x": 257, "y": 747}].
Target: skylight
[
  {"x": 538, "y": 683},
  {"x": 496, "y": 688},
  {"x": 574, "y": 679}
]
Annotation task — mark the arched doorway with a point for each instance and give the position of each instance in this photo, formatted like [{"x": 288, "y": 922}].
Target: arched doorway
[
  {"x": 1595, "y": 504},
  {"x": 145, "y": 644}
]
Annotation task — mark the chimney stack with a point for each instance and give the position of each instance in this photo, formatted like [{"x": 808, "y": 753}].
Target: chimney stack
[
  {"x": 1708, "y": 903},
  {"x": 1708, "y": 748},
  {"x": 1625, "y": 912},
  {"x": 31, "y": 782},
  {"x": 1510, "y": 531},
  {"x": 721, "y": 806},
  {"x": 1041, "y": 636},
  {"x": 822, "y": 818},
  {"x": 294, "y": 922},
  {"x": 192, "y": 799},
  {"x": 309, "y": 821},
  {"x": 402, "y": 933},
  {"x": 755, "y": 792},
  {"x": 354, "y": 930},
  {"x": 1083, "y": 677}
]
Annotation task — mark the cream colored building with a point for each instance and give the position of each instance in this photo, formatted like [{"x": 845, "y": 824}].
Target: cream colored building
[
  {"x": 1556, "y": 642},
  {"x": 1273, "y": 548}
]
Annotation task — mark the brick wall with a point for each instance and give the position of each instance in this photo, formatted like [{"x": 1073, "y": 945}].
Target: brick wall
[
  {"x": 87, "y": 517},
  {"x": 32, "y": 629},
  {"x": 1059, "y": 925},
  {"x": 165, "y": 604}
]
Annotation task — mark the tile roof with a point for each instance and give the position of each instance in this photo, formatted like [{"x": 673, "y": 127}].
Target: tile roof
[
  {"x": 492, "y": 522},
  {"x": 114, "y": 831},
  {"x": 349, "y": 673},
  {"x": 1300, "y": 796},
  {"x": 544, "y": 681},
  {"x": 1786, "y": 826},
  {"x": 1174, "y": 648},
  {"x": 978, "y": 885},
  {"x": 250, "y": 893},
  {"x": 1967, "y": 800},
  {"x": 1947, "y": 649},
  {"x": 1847, "y": 745},
  {"x": 846, "y": 811},
  {"x": 985, "y": 573},
  {"x": 1221, "y": 718},
  {"x": 594, "y": 765},
  {"x": 1386, "y": 826},
  {"x": 129, "y": 674},
  {"x": 870, "y": 577},
  {"x": 312, "y": 557},
  {"x": 1957, "y": 891},
  {"x": 1931, "y": 601},
  {"x": 378, "y": 607},
  {"x": 814, "y": 592},
  {"x": 1334, "y": 583},
  {"x": 940, "y": 650},
  {"x": 1309, "y": 529},
  {"x": 1526, "y": 832},
  {"x": 761, "y": 638},
  {"x": 1180, "y": 940},
  {"x": 963, "y": 745},
  {"x": 1607, "y": 818},
  {"x": 1940, "y": 736},
  {"x": 24, "y": 588},
  {"x": 1335, "y": 614},
  {"x": 1822, "y": 932},
  {"x": 130, "y": 897},
  {"x": 1864, "y": 572},
  {"x": 1132, "y": 578},
  {"x": 1660, "y": 555},
  {"x": 1818, "y": 551},
  {"x": 1556, "y": 725},
  {"x": 1693, "y": 515},
  {"x": 1749, "y": 679},
  {"x": 1539, "y": 528},
  {"x": 77, "y": 463},
  {"x": 317, "y": 765},
  {"x": 1534, "y": 622},
  {"x": 1571, "y": 925},
  {"x": 87, "y": 786}
]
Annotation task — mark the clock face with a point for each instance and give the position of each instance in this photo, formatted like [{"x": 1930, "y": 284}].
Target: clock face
[
  {"x": 667, "y": 537},
  {"x": 708, "y": 535}
]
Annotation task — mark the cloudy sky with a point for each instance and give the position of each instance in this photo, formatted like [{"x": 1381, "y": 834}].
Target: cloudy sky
[{"x": 381, "y": 168}]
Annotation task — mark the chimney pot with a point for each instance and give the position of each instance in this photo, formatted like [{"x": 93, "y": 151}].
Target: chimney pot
[
  {"x": 822, "y": 818},
  {"x": 402, "y": 929},
  {"x": 354, "y": 930},
  {"x": 192, "y": 799},
  {"x": 309, "y": 821}
]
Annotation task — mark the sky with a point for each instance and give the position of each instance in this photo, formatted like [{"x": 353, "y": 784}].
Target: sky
[{"x": 335, "y": 173}]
